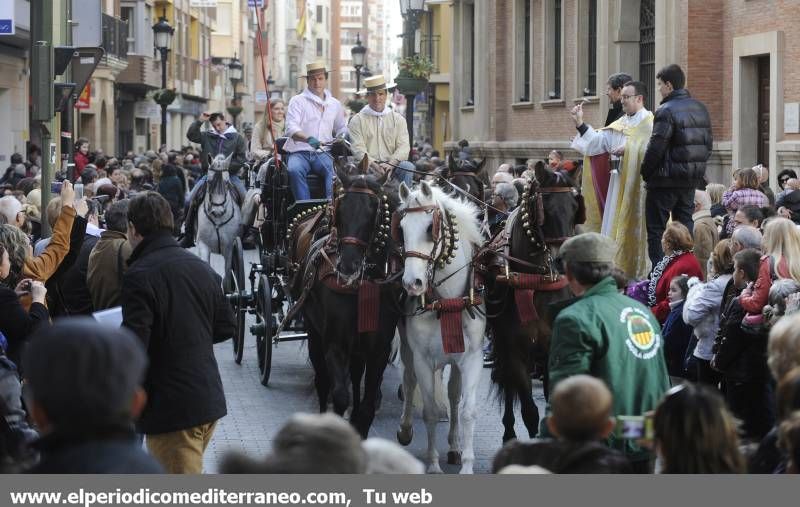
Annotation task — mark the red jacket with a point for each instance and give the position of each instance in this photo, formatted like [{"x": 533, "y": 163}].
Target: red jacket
[
  {"x": 80, "y": 162},
  {"x": 758, "y": 297},
  {"x": 685, "y": 264}
]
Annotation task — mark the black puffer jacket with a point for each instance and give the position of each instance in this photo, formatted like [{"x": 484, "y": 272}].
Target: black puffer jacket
[{"x": 680, "y": 145}]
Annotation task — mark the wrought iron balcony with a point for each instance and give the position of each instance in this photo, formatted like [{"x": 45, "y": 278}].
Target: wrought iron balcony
[{"x": 115, "y": 37}]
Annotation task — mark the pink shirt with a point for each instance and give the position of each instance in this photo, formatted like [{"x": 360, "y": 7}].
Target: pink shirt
[{"x": 314, "y": 117}]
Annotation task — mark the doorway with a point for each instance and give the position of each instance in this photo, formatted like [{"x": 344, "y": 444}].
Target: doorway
[{"x": 762, "y": 134}]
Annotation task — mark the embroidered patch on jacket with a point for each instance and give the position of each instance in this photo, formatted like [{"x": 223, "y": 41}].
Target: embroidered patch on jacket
[{"x": 643, "y": 339}]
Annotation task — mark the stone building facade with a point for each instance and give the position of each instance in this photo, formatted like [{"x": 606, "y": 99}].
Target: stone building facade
[{"x": 525, "y": 63}]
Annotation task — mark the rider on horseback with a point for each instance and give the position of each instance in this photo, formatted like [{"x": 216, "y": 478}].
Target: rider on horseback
[
  {"x": 221, "y": 139},
  {"x": 311, "y": 119}
]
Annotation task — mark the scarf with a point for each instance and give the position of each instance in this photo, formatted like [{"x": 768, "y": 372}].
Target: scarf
[
  {"x": 371, "y": 112},
  {"x": 657, "y": 272}
]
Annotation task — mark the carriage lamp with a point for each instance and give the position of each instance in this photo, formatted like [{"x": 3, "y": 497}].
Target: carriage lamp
[{"x": 162, "y": 40}]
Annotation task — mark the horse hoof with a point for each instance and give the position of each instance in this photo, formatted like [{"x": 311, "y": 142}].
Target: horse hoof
[
  {"x": 434, "y": 468},
  {"x": 454, "y": 458},
  {"x": 404, "y": 436}
]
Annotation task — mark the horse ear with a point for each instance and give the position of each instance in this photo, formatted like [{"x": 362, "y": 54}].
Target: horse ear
[
  {"x": 363, "y": 166},
  {"x": 426, "y": 189},
  {"x": 209, "y": 160},
  {"x": 481, "y": 166},
  {"x": 404, "y": 192}
]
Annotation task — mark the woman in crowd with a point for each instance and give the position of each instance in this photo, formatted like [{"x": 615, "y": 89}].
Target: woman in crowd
[
  {"x": 695, "y": 433},
  {"x": 702, "y": 309},
  {"x": 783, "y": 178},
  {"x": 15, "y": 323},
  {"x": 262, "y": 141},
  {"x": 81, "y": 156},
  {"x": 781, "y": 259},
  {"x": 678, "y": 260},
  {"x": 715, "y": 191}
]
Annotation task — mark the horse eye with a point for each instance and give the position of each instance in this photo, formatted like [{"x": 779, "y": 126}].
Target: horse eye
[{"x": 430, "y": 229}]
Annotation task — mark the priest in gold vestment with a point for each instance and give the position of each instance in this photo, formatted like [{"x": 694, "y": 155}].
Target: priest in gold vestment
[{"x": 612, "y": 187}]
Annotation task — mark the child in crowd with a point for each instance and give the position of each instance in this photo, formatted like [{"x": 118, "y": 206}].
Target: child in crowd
[
  {"x": 744, "y": 191},
  {"x": 580, "y": 421},
  {"x": 677, "y": 334}
]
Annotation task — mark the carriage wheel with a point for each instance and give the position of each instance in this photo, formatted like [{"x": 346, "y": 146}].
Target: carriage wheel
[
  {"x": 235, "y": 287},
  {"x": 267, "y": 328}
]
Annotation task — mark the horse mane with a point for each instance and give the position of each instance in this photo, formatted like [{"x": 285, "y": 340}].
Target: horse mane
[{"x": 466, "y": 213}]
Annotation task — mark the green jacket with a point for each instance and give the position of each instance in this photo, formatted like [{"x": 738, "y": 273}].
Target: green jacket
[
  {"x": 618, "y": 340},
  {"x": 212, "y": 144}
]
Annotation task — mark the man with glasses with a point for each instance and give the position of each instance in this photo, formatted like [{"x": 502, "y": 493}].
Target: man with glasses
[{"x": 612, "y": 188}]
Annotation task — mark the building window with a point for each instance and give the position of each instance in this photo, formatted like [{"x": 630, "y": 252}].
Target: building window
[
  {"x": 319, "y": 47},
  {"x": 127, "y": 13},
  {"x": 553, "y": 20},
  {"x": 469, "y": 64},
  {"x": 523, "y": 50},
  {"x": 591, "y": 78},
  {"x": 223, "y": 19},
  {"x": 319, "y": 14},
  {"x": 647, "y": 49}
]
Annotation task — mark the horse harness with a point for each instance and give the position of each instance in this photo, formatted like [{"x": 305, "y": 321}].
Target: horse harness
[
  {"x": 445, "y": 240},
  {"x": 543, "y": 278}
]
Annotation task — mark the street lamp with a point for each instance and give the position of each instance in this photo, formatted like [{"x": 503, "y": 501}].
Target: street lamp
[
  {"x": 235, "y": 73},
  {"x": 358, "y": 52},
  {"x": 162, "y": 35}
]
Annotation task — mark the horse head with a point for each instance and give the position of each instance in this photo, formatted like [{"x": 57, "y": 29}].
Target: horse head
[
  {"x": 218, "y": 177},
  {"x": 468, "y": 175},
  {"x": 362, "y": 217},
  {"x": 430, "y": 223}
]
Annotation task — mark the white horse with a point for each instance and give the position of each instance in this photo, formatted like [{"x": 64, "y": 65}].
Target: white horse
[
  {"x": 219, "y": 217},
  {"x": 440, "y": 237}
]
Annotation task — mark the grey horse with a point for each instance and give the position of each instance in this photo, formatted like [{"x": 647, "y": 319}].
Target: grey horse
[{"x": 219, "y": 218}]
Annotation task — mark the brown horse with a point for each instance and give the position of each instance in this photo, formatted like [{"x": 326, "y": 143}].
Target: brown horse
[{"x": 522, "y": 283}]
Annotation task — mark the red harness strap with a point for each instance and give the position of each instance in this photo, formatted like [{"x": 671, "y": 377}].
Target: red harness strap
[
  {"x": 450, "y": 312},
  {"x": 525, "y": 286}
]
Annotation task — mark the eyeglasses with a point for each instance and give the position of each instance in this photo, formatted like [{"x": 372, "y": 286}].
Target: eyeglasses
[{"x": 784, "y": 180}]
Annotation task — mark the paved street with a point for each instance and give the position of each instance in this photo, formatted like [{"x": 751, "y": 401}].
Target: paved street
[{"x": 255, "y": 413}]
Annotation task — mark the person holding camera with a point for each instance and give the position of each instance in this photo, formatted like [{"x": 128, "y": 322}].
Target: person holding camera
[{"x": 607, "y": 335}]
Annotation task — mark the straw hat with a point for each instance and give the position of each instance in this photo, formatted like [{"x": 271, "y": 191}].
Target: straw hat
[
  {"x": 376, "y": 83},
  {"x": 314, "y": 67}
]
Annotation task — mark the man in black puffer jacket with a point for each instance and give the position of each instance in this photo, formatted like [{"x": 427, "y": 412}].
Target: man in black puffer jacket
[{"x": 674, "y": 164}]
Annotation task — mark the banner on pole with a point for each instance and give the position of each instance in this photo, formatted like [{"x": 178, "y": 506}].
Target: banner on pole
[{"x": 85, "y": 98}]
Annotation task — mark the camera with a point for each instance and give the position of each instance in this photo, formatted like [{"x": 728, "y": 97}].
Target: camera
[
  {"x": 55, "y": 187},
  {"x": 633, "y": 427}
]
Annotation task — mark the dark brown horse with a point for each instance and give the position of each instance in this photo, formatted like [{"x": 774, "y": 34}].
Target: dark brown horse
[
  {"x": 352, "y": 309},
  {"x": 467, "y": 175},
  {"x": 522, "y": 283}
]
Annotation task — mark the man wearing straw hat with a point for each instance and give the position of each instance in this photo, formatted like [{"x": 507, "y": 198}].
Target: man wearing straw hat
[
  {"x": 381, "y": 134},
  {"x": 312, "y": 118}
]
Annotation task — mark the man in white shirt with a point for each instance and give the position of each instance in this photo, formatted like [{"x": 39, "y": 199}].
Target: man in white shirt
[
  {"x": 313, "y": 117},
  {"x": 381, "y": 134}
]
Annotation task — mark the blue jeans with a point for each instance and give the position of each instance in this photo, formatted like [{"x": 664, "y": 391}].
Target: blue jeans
[
  {"x": 301, "y": 163},
  {"x": 403, "y": 172},
  {"x": 233, "y": 178}
]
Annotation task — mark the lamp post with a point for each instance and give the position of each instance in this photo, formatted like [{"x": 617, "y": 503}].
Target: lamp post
[
  {"x": 162, "y": 32},
  {"x": 235, "y": 73},
  {"x": 411, "y": 11},
  {"x": 358, "y": 52}
]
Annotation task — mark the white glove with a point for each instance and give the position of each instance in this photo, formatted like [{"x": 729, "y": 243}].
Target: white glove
[{"x": 693, "y": 281}]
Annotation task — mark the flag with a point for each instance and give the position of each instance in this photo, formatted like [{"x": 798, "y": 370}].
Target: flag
[{"x": 301, "y": 19}]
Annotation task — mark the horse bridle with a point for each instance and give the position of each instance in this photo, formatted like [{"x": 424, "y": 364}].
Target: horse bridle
[
  {"x": 380, "y": 229},
  {"x": 211, "y": 203},
  {"x": 444, "y": 235}
]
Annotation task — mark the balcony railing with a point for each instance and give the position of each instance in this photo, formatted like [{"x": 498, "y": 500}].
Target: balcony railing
[
  {"x": 115, "y": 37},
  {"x": 429, "y": 46}
]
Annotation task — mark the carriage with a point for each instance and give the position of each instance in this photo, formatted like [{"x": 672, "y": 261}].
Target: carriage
[{"x": 264, "y": 290}]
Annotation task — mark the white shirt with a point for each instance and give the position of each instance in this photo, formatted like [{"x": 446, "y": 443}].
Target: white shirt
[
  {"x": 594, "y": 142},
  {"x": 314, "y": 117}
]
